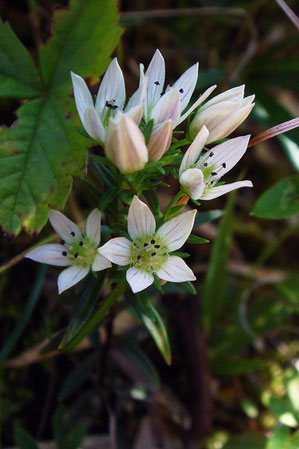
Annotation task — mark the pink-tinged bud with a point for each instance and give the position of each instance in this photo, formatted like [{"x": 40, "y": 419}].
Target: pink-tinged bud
[
  {"x": 192, "y": 180},
  {"x": 223, "y": 114},
  {"x": 160, "y": 140},
  {"x": 125, "y": 144}
]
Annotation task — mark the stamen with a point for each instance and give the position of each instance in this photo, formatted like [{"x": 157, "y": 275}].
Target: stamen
[
  {"x": 62, "y": 242},
  {"x": 205, "y": 164},
  {"x": 181, "y": 90},
  {"x": 213, "y": 173},
  {"x": 76, "y": 255},
  {"x": 80, "y": 243},
  {"x": 153, "y": 254},
  {"x": 64, "y": 253},
  {"x": 157, "y": 246},
  {"x": 138, "y": 257},
  {"x": 73, "y": 234},
  {"x": 211, "y": 154},
  {"x": 145, "y": 244},
  {"x": 224, "y": 165},
  {"x": 153, "y": 242},
  {"x": 157, "y": 83}
]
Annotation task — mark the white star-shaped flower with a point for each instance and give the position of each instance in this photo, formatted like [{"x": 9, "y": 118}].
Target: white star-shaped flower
[
  {"x": 110, "y": 100},
  {"x": 170, "y": 104},
  {"x": 76, "y": 250},
  {"x": 148, "y": 250},
  {"x": 199, "y": 174}
]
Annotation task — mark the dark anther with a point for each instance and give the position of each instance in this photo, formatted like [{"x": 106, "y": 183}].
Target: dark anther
[
  {"x": 205, "y": 164},
  {"x": 62, "y": 242},
  {"x": 64, "y": 253},
  {"x": 138, "y": 257},
  {"x": 211, "y": 154},
  {"x": 73, "y": 234},
  {"x": 153, "y": 242},
  {"x": 153, "y": 254},
  {"x": 108, "y": 104},
  {"x": 76, "y": 255},
  {"x": 181, "y": 90},
  {"x": 213, "y": 173},
  {"x": 157, "y": 246},
  {"x": 157, "y": 83},
  {"x": 80, "y": 243},
  {"x": 145, "y": 244},
  {"x": 224, "y": 165},
  {"x": 114, "y": 107}
]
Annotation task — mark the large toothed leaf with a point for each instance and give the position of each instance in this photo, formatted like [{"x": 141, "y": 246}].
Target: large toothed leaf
[
  {"x": 19, "y": 77},
  {"x": 42, "y": 151},
  {"x": 84, "y": 37}
]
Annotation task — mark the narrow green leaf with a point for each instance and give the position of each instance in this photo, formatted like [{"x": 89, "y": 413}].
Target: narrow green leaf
[
  {"x": 74, "y": 438},
  {"x": 19, "y": 77},
  {"x": 280, "y": 201},
  {"x": 105, "y": 174},
  {"x": 215, "y": 278},
  {"x": 84, "y": 309},
  {"x": 107, "y": 198},
  {"x": 25, "y": 317},
  {"x": 195, "y": 239},
  {"x": 77, "y": 376},
  {"x": 206, "y": 217},
  {"x": 188, "y": 287},
  {"x": 98, "y": 316},
  {"x": 23, "y": 439}
]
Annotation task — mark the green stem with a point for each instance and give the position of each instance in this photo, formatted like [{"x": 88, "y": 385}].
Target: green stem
[
  {"x": 113, "y": 296},
  {"x": 174, "y": 200}
]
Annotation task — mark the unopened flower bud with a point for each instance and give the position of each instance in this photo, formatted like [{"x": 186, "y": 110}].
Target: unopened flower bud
[
  {"x": 125, "y": 144},
  {"x": 223, "y": 114},
  {"x": 160, "y": 140}
]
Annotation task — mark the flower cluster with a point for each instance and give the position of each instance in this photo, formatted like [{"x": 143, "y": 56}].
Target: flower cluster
[{"x": 133, "y": 134}]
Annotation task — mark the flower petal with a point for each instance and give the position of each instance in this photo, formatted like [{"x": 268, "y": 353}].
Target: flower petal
[
  {"x": 156, "y": 78},
  {"x": 70, "y": 277},
  {"x": 117, "y": 250},
  {"x": 111, "y": 88},
  {"x": 176, "y": 231},
  {"x": 141, "y": 221},
  {"x": 50, "y": 254},
  {"x": 138, "y": 279},
  {"x": 136, "y": 113},
  {"x": 100, "y": 263},
  {"x": 64, "y": 227},
  {"x": 125, "y": 144},
  {"x": 235, "y": 94},
  {"x": 139, "y": 96},
  {"x": 82, "y": 95},
  {"x": 224, "y": 156},
  {"x": 93, "y": 124},
  {"x": 196, "y": 104},
  {"x": 186, "y": 85},
  {"x": 176, "y": 270},
  {"x": 193, "y": 182},
  {"x": 193, "y": 152},
  {"x": 168, "y": 107},
  {"x": 93, "y": 226},
  {"x": 160, "y": 140},
  {"x": 214, "y": 192}
]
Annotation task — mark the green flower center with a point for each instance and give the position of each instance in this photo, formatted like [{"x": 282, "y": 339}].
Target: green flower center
[
  {"x": 81, "y": 251},
  {"x": 148, "y": 253}
]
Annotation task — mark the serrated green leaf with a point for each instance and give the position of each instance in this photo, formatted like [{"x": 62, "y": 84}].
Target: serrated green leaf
[
  {"x": 42, "y": 152},
  {"x": 195, "y": 239},
  {"x": 19, "y": 77},
  {"x": 84, "y": 36},
  {"x": 280, "y": 201}
]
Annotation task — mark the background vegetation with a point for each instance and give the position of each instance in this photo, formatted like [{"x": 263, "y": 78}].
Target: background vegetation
[{"x": 233, "y": 382}]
